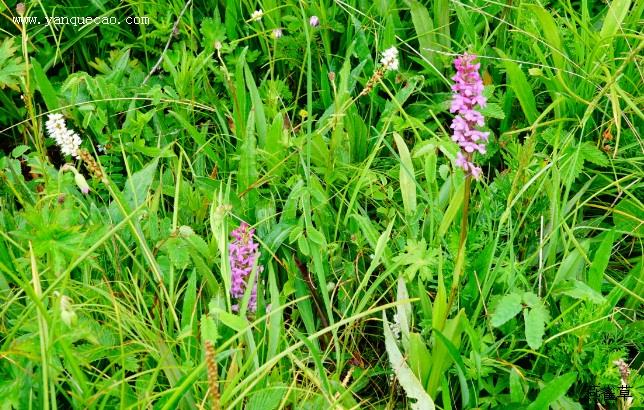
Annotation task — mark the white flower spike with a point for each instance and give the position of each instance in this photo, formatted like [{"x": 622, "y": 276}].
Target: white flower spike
[
  {"x": 390, "y": 59},
  {"x": 67, "y": 140}
]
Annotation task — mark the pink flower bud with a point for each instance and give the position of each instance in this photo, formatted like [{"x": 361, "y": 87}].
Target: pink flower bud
[{"x": 81, "y": 182}]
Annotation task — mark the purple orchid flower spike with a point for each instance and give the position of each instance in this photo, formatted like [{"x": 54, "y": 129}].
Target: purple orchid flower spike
[
  {"x": 468, "y": 93},
  {"x": 243, "y": 254}
]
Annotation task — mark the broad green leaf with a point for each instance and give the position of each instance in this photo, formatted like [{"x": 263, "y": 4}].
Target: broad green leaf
[
  {"x": 572, "y": 264},
  {"x": 593, "y": 154},
  {"x": 517, "y": 393},
  {"x": 508, "y": 307},
  {"x": 439, "y": 312},
  {"x": 189, "y": 298},
  {"x": 407, "y": 178},
  {"x": 410, "y": 383},
  {"x": 403, "y": 311},
  {"x": 419, "y": 357},
  {"x": 535, "y": 322},
  {"x": 579, "y": 290},
  {"x": 616, "y": 13},
  {"x": 552, "y": 391},
  {"x": 137, "y": 185},
  {"x": 454, "y": 206},
  {"x": 266, "y": 399},
  {"x": 136, "y": 188},
  {"x": 600, "y": 261},
  {"x": 441, "y": 19},
  {"x": 530, "y": 299},
  {"x": 460, "y": 369},
  {"x": 46, "y": 90},
  {"x": 521, "y": 87},
  {"x": 452, "y": 332},
  {"x": 208, "y": 329},
  {"x": 258, "y": 106},
  {"x": 627, "y": 217},
  {"x": 424, "y": 27},
  {"x": 247, "y": 173},
  {"x": 380, "y": 249}
]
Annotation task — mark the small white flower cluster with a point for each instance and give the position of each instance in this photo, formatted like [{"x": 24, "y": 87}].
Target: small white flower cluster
[
  {"x": 257, "y": 15},
  {"x": 390, "y": 59},
  {"x": 68, "y": 141}
]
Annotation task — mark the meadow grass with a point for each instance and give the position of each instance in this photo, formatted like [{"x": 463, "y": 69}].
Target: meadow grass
[{"x": 386, "y": 276}]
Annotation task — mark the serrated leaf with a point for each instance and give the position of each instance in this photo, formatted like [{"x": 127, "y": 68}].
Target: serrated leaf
[
  {"x": 11, "y": 68},
  {"x": 412, "y": 386},
  {"x": 508, "y": 307},
  {"x": 266, "y": 399},
  {"x": 572, "y": 165},
  {"x": 19, "y": 150},
  {"x": 200, "y": 245},
  {"x": 535, "y": 325},
  {"x": 208, "y": 329},
  {"x": 492, "y": 110},
  {"x": 593, "y": 154},
  {"x": 212, "y": 31},
  {"x": 530, "y": 299}
]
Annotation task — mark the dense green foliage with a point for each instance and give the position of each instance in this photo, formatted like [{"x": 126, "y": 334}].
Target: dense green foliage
[{"x": 390, "y": 279}]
